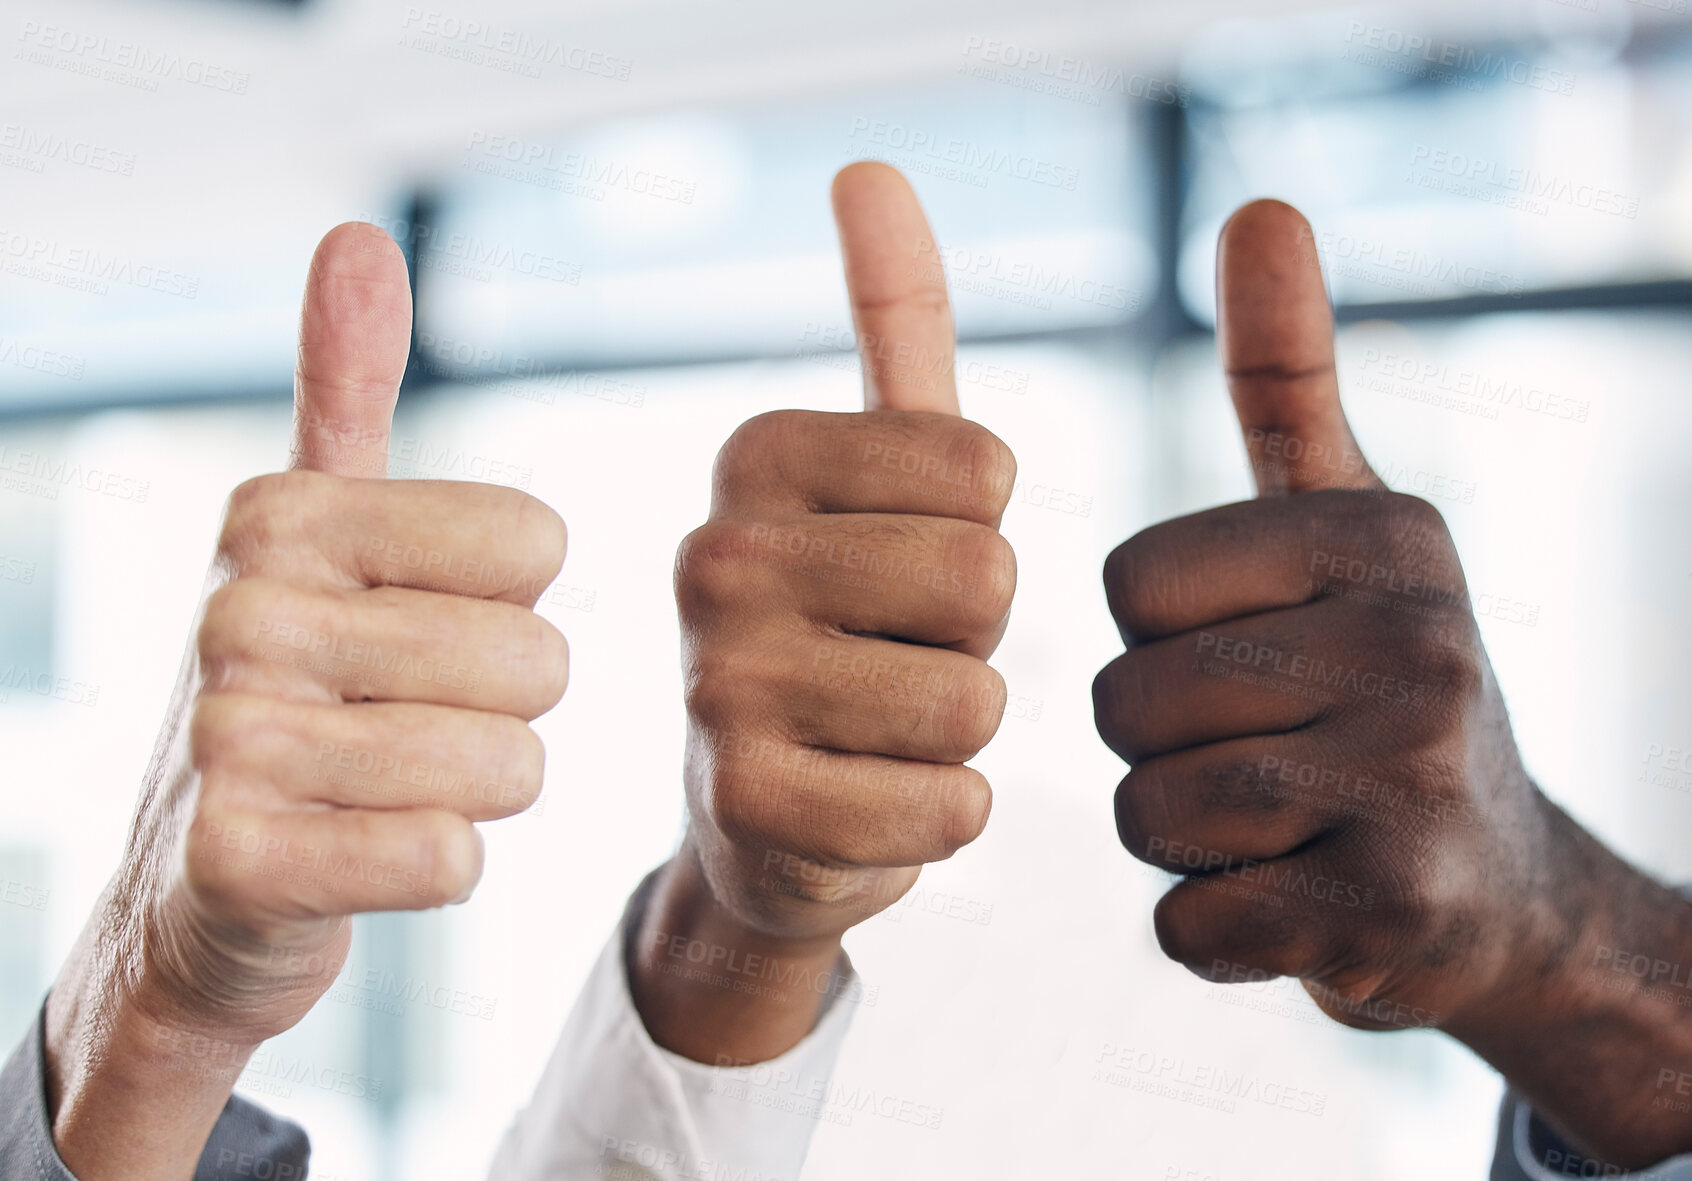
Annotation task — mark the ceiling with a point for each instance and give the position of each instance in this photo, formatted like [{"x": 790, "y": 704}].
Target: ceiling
[{"x": 257, "y": 125}]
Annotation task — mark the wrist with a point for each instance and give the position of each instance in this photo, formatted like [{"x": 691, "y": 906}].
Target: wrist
[
  {"x": 130, "y": 1095},
  {"x": 715, "y": 989},
  {"x": 133, "y": 1087},
  {"x": 1596, "y": 1015}
]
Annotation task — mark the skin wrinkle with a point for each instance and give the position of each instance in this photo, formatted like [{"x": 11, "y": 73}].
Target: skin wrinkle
[{"x": 1489, "y": 913}]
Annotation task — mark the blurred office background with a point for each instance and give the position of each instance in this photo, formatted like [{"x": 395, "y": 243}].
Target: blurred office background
[{"x": 619, "y": 231}]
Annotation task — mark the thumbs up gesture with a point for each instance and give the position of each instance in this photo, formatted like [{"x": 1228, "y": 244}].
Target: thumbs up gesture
[
  {"x": 1317, "y": 742},
  {"x": 837, "y": 611},
  {"x": 354, "y": 698}
]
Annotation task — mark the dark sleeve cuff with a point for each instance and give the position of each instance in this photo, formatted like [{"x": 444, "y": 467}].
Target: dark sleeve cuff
[
  {"x": 1530, "y": 1151},
  {"x": 246, "y": 1142}
]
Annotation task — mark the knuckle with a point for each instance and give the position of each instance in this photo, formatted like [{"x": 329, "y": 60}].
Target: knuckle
[
  {"x": 988, "y": 564},
  {"x": 1142, "y": 812},
  {"x": 711, "y": 565},
  {"x": 221, "y": 849},
  {"x": 203, "y": 867},
  {"x": 750, "y": 449},
  {"x": 976, "y": 709},
  {"x": 449, "y": 852},
  {"x": 541, "y": 535},
  {"x": 1451, "y": 663},
  {"x": 1119, "y": 704},
  {"x": 549, "y": 653},
  {"x": 971, "y": 806},
  {"x": 740, "y": 797},
  {"x": 220, "y": 725},
  {"x": 263, "y": 512},
  {"x": 714, "y": 688},
  {"x": 1142, "y": 585},
  {"x": 524, "y": 758},
  {"x": 1181, "y": 929},
  {"x": 1415, "y": 535},
  {"x": 512, "y": 752},
  {"x": 991, "y": 463},
  {"x": 1405, "y": 513},
  {"x": 232, "y": 614}
]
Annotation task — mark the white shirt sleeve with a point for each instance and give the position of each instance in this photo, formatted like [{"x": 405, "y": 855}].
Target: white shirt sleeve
[{"x": 614, "y": 1105}]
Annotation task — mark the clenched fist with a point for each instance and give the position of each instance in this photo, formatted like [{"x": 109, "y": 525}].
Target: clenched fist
[
  {"x": 1316, "y": 737},
  {"x": 1319, "y": 747},
  {"x": 355, "y": 696},
  {"x": 837, "y": 612}
]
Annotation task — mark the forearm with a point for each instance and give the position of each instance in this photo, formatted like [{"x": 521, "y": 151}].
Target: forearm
[
  {"x": 1596, "y": 1032},
  {"x": 713, "y": 990},
  {"x": 131, "y": 1095}
]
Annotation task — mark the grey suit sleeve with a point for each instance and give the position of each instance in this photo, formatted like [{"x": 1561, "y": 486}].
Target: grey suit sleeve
[
  {"x": 246, "y": 1142},
  {"x": 1530, "y": 1151}
]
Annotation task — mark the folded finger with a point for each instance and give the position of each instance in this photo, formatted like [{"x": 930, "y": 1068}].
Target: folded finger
[
  {"x": 267, "y": 752},
  {"x": 929, "y": 580},
  {"x": 384, "y": 644},
  {"x": 875, "y": 696},
  {"x": 779, "y": 798},
  {"x": 1208, "y": 807},
  {"x": 480, "y": 540},
  {"x": 885, "y": 461},
  {"x": 1238, "y": 679},
  {"x": 1263, "y": 555},
  {"x": 317, "y": 864}
]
